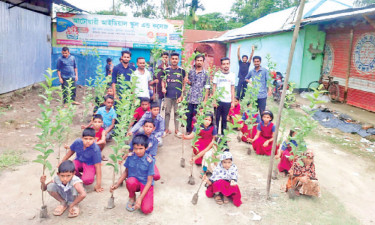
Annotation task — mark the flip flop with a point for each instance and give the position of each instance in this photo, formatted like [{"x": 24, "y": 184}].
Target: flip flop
[
  {"x": 130, "y": 209},
  {"x": 59, "y": 210},
  {"x": 75, "y": 212}
]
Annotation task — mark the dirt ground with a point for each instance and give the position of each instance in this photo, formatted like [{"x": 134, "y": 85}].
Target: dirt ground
[{"x": 347, "y": 180}]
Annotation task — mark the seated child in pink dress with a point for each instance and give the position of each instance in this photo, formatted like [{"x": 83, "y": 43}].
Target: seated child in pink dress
[
  {"x": 223, "y": 182},
  {"x": 262, "y": 142}
]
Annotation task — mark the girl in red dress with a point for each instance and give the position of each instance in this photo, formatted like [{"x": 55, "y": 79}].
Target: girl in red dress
[
  {"x": 249, "y": 134},
  {"x": 206, "y": 139},
  {"x": 285, "y": 154},
  {"x": 262, "y": 142},
  {"x": 234, "y": 111}
]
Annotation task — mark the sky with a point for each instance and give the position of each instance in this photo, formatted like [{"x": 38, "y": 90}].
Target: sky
[{"x": 222, "y": 6}]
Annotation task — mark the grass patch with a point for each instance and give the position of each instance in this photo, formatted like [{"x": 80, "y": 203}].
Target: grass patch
[
  {"x": 307, "y": 210},
  {"x": 11, "y": 158}
]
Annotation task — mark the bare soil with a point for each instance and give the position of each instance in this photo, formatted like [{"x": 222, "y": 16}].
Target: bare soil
[{"x": 347, "y": 182}]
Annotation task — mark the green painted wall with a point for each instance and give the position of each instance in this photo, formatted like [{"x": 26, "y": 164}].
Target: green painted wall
[{"x": 311, "y": 68}]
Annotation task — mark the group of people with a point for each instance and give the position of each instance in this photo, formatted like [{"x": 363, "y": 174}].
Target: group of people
[{"x": 168, "y": 85}]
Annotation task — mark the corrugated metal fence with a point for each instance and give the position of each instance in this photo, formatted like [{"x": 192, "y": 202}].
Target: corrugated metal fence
[{"x": 25, "y": 47}]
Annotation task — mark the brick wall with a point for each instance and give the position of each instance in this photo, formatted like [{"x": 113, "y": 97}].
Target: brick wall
[
  {"x": 361, "y": 91},
  {"x": 213, "y": 58}
]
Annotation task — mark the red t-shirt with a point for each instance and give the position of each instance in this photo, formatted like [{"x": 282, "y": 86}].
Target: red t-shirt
[
  {"x": 98, "y": 135},
  {"x": 138, "y": 113}
]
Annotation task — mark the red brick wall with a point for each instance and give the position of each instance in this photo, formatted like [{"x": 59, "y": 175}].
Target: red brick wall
[
  {"x": 219, "y": 51},
  {"x": 361, "y": 91}
]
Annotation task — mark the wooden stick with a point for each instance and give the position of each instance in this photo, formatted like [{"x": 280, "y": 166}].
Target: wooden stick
[{"x": 281, "y": 105}]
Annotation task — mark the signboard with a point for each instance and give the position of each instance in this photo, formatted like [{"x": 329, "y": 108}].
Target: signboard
[{"x": 117, "y": 31}]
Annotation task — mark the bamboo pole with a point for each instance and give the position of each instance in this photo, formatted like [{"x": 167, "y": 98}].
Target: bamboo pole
[
  {"x": 281, "y": 106},
  {"x": 349, "y": 64}
]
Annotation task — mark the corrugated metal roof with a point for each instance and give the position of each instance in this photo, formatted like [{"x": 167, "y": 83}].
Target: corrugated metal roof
[
  {"x": 282, "y": 20},
  {"x": 199, "y": 35}
]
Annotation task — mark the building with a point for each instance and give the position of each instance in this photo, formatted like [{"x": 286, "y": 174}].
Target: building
[
  {"x": 213, "y": 51},
  {"x": 272, "y": 35}
]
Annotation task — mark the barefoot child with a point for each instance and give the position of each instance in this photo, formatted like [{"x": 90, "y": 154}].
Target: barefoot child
[
  {"x": 140, "y": 177},
  {"x": 207, "y": 137},
  {"x": 223, "y": 182},
  {"x": 65, "y": 188},
  {"x": 100, "y": 140},
  {"x": 262, "y": 142},
  {"x": 286, "y": 161},
  {"x": 88, "y": 158}
]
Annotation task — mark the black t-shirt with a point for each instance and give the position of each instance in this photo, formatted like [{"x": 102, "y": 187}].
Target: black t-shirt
[
  {"x": 174, "y": 80},
  {"x": 244, "y": 69}
]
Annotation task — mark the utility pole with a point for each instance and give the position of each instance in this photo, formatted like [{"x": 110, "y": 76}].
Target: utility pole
[{"x": 281, "y": 105}]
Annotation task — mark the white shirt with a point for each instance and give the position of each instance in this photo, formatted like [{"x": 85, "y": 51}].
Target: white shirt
[
  {"x": 225, "y": 81},
  {"x": 141, "y": 89}
]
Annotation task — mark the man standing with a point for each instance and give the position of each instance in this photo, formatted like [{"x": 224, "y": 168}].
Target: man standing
[
  {"x": 259, "y": 76},
  {"x": 198, "y": 80},
  {"x": 143, "y": 79},
  {"x": 225, "y": 81},
  {"x": 173, "y": 87},
  {"x": 67, "y": 71},
  {"x": 109, "y": 67},
  {"x": 244, "y": 65},
  {"x": 123, "y": 68},
  {"x": 158, "y": 77}
]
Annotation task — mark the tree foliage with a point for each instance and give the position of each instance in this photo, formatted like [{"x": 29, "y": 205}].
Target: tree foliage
[
  {"x": 247, "y": 11},
  {"x": 362, "y": 3}
]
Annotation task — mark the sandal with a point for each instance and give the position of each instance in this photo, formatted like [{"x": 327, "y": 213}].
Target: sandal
[
  {"x": 104, "y": 158},
  {"x": 130, "y": 206},
  {"x": 226, "y": 199},
  {"x": 218, "y": 200},
  {"x": 74, "y": 212},
  {"x": 59, "y": 210}
]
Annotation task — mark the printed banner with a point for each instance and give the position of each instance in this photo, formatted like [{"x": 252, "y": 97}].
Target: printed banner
[{"x": 117, "y": 31}]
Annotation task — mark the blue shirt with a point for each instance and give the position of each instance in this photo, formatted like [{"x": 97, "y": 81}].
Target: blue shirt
[
  {"x": 159, "y": 124},
  {"x": 261, "y": 76},
  {"x": 214, "y": 131},
  {"x": 107, "y": 116},
  {"x": 140, "y": 167},
  {"x": 120, "y": 69},
  {"x": 258, "y": 119},
  {"x": 285, "y": 145},
  {"x": 91, "y": 155},
  {"x": 152, "y": 148},
  {"x": 66, "y": 66}
]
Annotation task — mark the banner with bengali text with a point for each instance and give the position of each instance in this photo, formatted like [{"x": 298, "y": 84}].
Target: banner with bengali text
[{"x": 117, "y": 31}]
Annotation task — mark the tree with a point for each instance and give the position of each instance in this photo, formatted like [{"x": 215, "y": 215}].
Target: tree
[
  {"x": 247, "y": 11},
  {"x": 143, "y": 8},
  {"x": 362, "y": 3},
  {"x": 194, "y": 6}
]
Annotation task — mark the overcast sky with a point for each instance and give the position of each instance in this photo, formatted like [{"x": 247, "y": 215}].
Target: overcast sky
[{"x": 222, "y": 6}]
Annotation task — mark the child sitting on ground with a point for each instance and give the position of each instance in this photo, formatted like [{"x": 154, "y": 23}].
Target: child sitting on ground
[
  {"x": 109, "y": 117},
  {"x": 158, "y": 121},
  {"x": 249, "y": 134},
  {"x": 65, "y": 188},
  {"x": 263, "y": 140},
  {"x": 286, "y": 161},
  {"x": 140, "y": 176},
  {"x": 100, "y": 135},
  {"x": 140, "y": 111},
  {"x": 88, "y": 158},
  {"x": 234, "y": 111},
  {"x": 207, "y": 136},
  {"x": 99, "y": 103},
  {"x": 223, "y": 182}
]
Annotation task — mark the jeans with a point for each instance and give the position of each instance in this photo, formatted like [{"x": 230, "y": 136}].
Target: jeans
[
  {"x": 192, "y": 110},
  {"x": 262, "y": 102},
  {"x": 169, "y": 103},
  {"x": 222, "y": 112},
  {"x": 65, "y": 86},
  {"x": 241, "y": 88}
]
